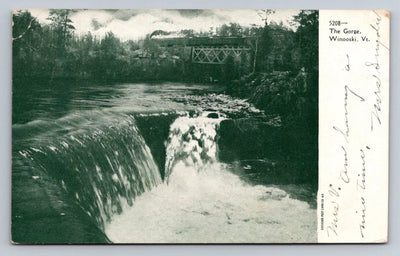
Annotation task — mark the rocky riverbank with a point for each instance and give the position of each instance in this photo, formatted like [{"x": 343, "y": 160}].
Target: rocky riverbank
[{"x": 291, "y": 100}]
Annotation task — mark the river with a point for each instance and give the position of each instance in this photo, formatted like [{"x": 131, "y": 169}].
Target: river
[{"x": 151, "y": 163}]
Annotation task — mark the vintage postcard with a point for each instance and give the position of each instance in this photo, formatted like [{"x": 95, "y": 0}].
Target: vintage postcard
[{"x": 171, "y": 126}]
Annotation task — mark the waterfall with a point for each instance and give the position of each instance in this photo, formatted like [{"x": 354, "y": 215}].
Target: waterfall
[
  {"x": 88, "y": 171},
  {"x": 102, "y": 166},
  {"x": 202, "y": 201},
  {"x": 192, "y": 142}
]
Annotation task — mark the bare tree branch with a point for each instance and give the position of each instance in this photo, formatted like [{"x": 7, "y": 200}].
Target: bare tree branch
[{"x": 20, "y": 36}]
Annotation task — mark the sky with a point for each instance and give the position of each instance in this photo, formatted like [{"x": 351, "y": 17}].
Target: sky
[{"x": 136, "y": 24}]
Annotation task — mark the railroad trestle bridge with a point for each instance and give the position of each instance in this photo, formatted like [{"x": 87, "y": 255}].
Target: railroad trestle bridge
[
  {"x": 217, "y": 54},
  {"x": 214, "y": 50}
]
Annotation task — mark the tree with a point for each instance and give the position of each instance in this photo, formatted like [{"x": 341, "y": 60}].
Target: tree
[
  {"x": 110, "y": 57},
  {"x": 62, "y": 26},
  {"x": 233, "y": 29},
  {"x": 264, "y": 15},
  {"x": 26, "y": 36},
  {"x": 151, "y": 47},
  {"x": 23, "y": 23},
  {"x": 188, "y": 32},
  {"x": 307, "y": 38},
  {"x": 264, "y": 44}
]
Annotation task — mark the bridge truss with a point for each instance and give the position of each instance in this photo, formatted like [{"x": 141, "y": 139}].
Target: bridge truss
[{"x": 216, "y": 54}]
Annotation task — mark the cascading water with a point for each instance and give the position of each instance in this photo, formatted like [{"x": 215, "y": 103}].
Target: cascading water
[
  {"x": 103, "y": 166},
  {"x": 192, "y": 142},
  {"x": 201, "y": 201}
]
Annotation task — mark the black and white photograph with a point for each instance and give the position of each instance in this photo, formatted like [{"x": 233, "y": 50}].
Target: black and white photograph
[{"x": 164, "y": 126}]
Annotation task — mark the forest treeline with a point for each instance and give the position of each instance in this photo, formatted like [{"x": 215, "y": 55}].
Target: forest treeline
[{"x": 51, "y": 51}]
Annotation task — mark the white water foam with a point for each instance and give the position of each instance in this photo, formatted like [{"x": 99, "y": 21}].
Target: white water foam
[{"x": 203, "y": 202}]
